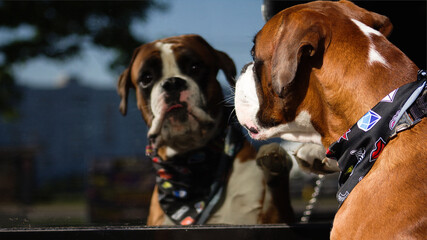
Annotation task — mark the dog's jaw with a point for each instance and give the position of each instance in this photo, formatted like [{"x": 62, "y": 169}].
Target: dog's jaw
[{"x": 247, "y": 106}]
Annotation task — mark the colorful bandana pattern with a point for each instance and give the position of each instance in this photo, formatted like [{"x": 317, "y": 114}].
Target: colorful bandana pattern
[
  {"x": 190, "y": 185},
  {"x": 357, "y": 150}
]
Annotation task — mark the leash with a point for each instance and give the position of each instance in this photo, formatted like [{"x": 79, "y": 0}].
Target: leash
[{"x": 313, "y": 200}]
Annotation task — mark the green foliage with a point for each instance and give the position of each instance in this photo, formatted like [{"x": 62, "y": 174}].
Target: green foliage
[
  {"x": 8, "y": 95},
  {"x": 60, "y": 28}
]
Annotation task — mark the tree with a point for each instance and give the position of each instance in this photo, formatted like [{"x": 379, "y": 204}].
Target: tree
[{"x": 60, "y": 28}]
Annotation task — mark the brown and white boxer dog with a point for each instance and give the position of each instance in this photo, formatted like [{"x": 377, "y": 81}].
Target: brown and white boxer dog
[
  {"x": 206, "y": 170},
  {"x": 317, "y": 70}
]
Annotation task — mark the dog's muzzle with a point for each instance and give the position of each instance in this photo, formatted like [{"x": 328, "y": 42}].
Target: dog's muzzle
[{"x": 174, "y": 84}]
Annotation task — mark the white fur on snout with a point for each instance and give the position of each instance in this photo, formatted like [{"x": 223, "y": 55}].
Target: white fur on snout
[
  {"x": 245, "y": 98},
  {"x": 158, "y": 106},
  {"x": 247, "y": 106}
]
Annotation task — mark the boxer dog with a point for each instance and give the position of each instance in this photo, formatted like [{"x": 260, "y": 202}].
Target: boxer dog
[
  {"x": 206, "y": 170},
  {"x": 325, "y": 73}
]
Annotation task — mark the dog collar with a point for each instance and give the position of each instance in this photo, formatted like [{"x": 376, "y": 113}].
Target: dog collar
[
  {"x": 190, "y": 185},
  {"x": 357, "y": 150}
]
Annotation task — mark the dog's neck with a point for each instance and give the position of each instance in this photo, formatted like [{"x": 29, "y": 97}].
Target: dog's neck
[
  {"x": 349, "y": 91},
  {"x": 360, "y": 146},
  {"x": 193, "y": 182}
]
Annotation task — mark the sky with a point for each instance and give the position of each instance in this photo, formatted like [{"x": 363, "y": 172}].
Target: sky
[{"x": 227, "y": 25}]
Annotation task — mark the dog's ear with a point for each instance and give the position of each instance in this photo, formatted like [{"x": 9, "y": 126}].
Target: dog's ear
[
  {"x": 227, "y": 66},
  {"x": 300, "y": 41},
  {"x": 124, "y": 84},
  {"x": 123, "y": 90},
  {"x": 374, "y": 20},
  {"x": 381, "y": 23},
  {"x": 225, "y": 63}
]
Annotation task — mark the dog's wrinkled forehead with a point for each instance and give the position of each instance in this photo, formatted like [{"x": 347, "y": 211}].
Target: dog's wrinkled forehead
[
  {"x": 187, "y": 45},
  {"x": 169, "y": 57}
]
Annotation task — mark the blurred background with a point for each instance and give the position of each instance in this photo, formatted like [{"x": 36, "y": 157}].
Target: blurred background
[{"x": 67, "y": 156}]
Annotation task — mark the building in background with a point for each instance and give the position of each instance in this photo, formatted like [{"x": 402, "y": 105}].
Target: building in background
[{"x": 70, "y": 126}]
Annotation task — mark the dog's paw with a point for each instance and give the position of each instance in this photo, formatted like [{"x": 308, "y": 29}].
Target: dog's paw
[
  {"x": 273, "y": 159},
  {"x": 311, "y": 158}
]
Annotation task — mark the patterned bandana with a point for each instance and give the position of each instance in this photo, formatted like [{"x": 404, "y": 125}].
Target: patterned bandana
[
  {"x": 357, "y": 150},
  {"x": 190, "y": 185}
]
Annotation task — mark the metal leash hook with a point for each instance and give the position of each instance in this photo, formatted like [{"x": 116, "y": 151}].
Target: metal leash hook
[{"x": 308, "y": 209}]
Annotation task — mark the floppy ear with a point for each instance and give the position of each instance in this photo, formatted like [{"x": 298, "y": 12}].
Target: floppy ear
[
  {"x": 123, "y": 90},
  {"x": 227, "y": 66},
  {"x": 374, "y": 20},
  {"x": 124, "y": 84},
  {"x": 296, "y": 43},
  {"x": 225, "y": 63},
  {"x": 381, "y": 23}
]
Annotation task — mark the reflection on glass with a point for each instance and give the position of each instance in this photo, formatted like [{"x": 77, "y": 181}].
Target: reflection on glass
[{"x": 67, "y": 156}]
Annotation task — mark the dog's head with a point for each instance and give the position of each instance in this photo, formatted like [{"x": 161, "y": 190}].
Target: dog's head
[
  {"x": 289, "y": 88},
  {"x": 177, "y": 91}
]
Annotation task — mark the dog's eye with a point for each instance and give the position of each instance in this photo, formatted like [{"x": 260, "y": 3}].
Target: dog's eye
[
  {"x": 195, "y": 68},
  {"x": 145, "y": 79}
]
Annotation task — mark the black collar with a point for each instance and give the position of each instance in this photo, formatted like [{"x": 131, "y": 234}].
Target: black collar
[
  {"x": 357, "y": 150},
  {"x": 190, "y": 185}
]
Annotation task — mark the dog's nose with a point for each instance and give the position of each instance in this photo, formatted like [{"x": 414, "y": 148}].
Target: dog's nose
[{"x": 174, "y": 84}]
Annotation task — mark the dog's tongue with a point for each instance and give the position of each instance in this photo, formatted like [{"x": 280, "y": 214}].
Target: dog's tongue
[{"x": 174, "y": 107}]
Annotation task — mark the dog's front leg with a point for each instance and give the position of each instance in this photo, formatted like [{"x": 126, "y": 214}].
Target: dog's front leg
[
  {"x": 156, "y": 215},
  {"x": 276, "y": 165},
  {"x": 311, "y": 158}
]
